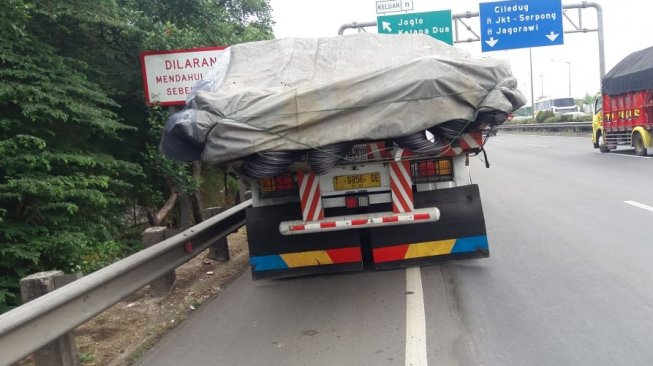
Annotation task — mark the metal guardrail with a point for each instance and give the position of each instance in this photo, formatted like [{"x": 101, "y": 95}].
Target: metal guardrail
[
  {"x": 42, "y": 320},
  {"x": 545, "y": 126}
]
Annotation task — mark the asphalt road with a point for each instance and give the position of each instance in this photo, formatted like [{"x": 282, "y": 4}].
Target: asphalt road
[{"x": 569, "y": 282}]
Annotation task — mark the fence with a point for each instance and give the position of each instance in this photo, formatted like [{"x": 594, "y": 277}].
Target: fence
[{"x": 43, "y": 320}]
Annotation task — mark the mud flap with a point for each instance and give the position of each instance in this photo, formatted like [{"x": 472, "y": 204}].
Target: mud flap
[
  {"x": 273, "y": 255},
  {"x": 459, "y": 234}
]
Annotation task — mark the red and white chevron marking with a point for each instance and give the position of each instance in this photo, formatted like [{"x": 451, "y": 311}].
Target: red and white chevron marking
[
  {"x": 467, "y": 141},
  {"x": 348, "y": 222},
  {"x": 310, "y": 196},
  {"x": 378, "y": 151},
  {"x": 470, "y": 141},
  {"x": 401, "y": 186}
]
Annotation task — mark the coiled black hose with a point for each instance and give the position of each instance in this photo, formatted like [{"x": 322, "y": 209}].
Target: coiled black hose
[
  {"x": 327, "y": 157},
  {"x": 420, "y": 143},
  {"x": 450, "y": 130},
  {"x": 268, "y": 164}
]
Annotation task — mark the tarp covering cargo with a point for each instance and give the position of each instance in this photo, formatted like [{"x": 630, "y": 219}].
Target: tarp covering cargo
[
  {"x": 633, "y": 73},
  {"x": 298, "y": 94}
]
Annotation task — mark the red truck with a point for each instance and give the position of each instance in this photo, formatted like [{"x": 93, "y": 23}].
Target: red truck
[{"x": 623, "y": 112}]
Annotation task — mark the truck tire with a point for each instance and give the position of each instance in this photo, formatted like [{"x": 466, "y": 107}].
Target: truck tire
[
  {"x": 638, "y": 144},
  {"x": 601, "y": 142},
  {"x": 596, "y": 144}
]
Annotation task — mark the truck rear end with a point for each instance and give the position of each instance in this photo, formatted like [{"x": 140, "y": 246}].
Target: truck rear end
[{"x": 381, "y": 207}]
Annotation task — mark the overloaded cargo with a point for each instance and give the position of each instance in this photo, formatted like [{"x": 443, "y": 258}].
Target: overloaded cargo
[
  {"x": 298, "y": 94},
  {"x": 356, "y": 147}
]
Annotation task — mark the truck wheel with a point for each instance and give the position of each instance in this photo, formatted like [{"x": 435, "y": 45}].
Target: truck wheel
[
  {"x": 601, "y": 142},
  {"x": 638, "y": 143},
  {"x": 596, "y": 144}
]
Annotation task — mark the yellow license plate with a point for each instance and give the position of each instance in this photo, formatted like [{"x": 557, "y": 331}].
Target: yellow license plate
[{"x": 344, "y": 182}]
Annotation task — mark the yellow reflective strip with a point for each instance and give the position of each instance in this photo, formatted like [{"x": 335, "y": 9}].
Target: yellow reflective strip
[
  {"x": 430, "y": 248},
  {"x": 304, "y": 259}
]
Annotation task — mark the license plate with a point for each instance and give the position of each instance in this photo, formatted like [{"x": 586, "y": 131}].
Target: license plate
[{"x": 344, "y": 182}]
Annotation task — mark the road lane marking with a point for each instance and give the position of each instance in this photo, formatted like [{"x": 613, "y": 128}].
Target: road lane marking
[
  {"x": 415, "y": 319},
  {"x": 497, "y": 140},
  {"x": 534, "y": 145},
  {"x": 634, "y": 156},
  {"x": 628, "y": 156},
  {"x": 640, "y": 205}
]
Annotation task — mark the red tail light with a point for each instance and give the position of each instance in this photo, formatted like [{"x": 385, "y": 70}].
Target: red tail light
[
  {"x": 281, "y": 185},
  {"x": 427, "y": 171}
]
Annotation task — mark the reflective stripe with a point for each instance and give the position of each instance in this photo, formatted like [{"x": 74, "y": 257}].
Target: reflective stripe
[
  {"x": 377, "y": 151},
  {"x": 470, "y": 141},
  {"x": 350, "y": 222},
  {"x": 401, "y": 252},
  {"x": 306, "y": 259},
  {"x": 401, "y": 185},
  {"x": 310, "y": 196}
]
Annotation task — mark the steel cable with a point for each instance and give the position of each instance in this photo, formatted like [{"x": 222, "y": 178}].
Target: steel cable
[
  {"x": 327, "y": 157},
  {"x": 268, "y": 164},
  {"x": 420, "y": 143},
  {"x": 450, "y": 130}
]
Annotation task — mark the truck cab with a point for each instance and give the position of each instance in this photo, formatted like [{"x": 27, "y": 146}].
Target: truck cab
[{"x": 597, "y": 124}]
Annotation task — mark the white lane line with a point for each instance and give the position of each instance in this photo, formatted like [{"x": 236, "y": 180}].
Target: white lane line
[
  {"x": 534, "y": 145},
  {"x": 415, "y": 319},
  {"x": 633, "y": 156},
  {"x": 624, "y": 155},
  {"x": 640, "y": 205},
  {"x": 497, "y": 140}
]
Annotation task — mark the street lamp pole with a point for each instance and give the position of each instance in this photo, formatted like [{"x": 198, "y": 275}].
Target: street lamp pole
[
  {"x": 530, "y": 57},
  {"x": 542, "y": 84},
  {"x": 568, "y": 72},
  {"x": 569, "y": 76}
]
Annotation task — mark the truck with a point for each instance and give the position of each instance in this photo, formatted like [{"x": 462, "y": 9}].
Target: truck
[
  {"x": 356, "y": 160},
  {"x": 379, "y": 208},
  {"x": 623, "y": 111},
  {"x": 558, "y": 106}
]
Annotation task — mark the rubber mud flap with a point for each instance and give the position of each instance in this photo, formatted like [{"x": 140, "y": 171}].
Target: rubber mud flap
[
  {"x": 459, "y": 234},
  {"x": 273, "y": 255}
]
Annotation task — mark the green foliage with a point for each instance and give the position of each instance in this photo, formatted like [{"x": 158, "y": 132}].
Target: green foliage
[
  {"x": 77, "y": 144},
  {"x": 576, "y": 118},
  {"x": 61, "y": 194},
  {"x": 552, "y": 119},
  {"x": 542, "y": 116}
]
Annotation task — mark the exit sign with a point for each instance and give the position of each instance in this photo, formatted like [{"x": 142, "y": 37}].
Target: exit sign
[{"x": 436, "y": 24}]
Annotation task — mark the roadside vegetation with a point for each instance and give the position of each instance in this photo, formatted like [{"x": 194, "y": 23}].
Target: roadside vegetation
[
  {"x": 80, "y": 171},
  {"x": 524, "y": 114}
]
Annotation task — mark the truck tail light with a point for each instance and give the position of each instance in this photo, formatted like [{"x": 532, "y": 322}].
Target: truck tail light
[
  {"x": 357, "y": 201},
  {"x": 279, "y": 186},
  {"x": 429, "y": 171}
]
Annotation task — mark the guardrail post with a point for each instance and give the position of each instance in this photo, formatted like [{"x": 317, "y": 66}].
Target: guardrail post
[
  {"x": 63, "y": 351},
  {"x": 219, "y": 250},
  {"x": 162, "y": 285}
]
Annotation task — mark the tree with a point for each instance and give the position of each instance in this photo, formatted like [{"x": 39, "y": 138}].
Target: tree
[
  {"x": 62, "y": 196},
  {"x": 77, "y": 142}
]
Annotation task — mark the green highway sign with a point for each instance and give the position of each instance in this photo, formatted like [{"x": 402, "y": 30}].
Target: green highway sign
[{"x": 436, "y": 24}]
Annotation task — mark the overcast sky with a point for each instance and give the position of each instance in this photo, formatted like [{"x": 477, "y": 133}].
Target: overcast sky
[{"x": 628, "y": 27}]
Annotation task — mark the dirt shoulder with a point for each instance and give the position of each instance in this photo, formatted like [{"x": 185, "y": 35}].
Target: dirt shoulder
[{"x": 121, "y": 334}]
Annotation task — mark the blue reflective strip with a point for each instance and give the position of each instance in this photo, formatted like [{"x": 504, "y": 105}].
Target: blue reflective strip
[
  {"x": 267, "y": 263},
  {"x": 470, "y": 244}
]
